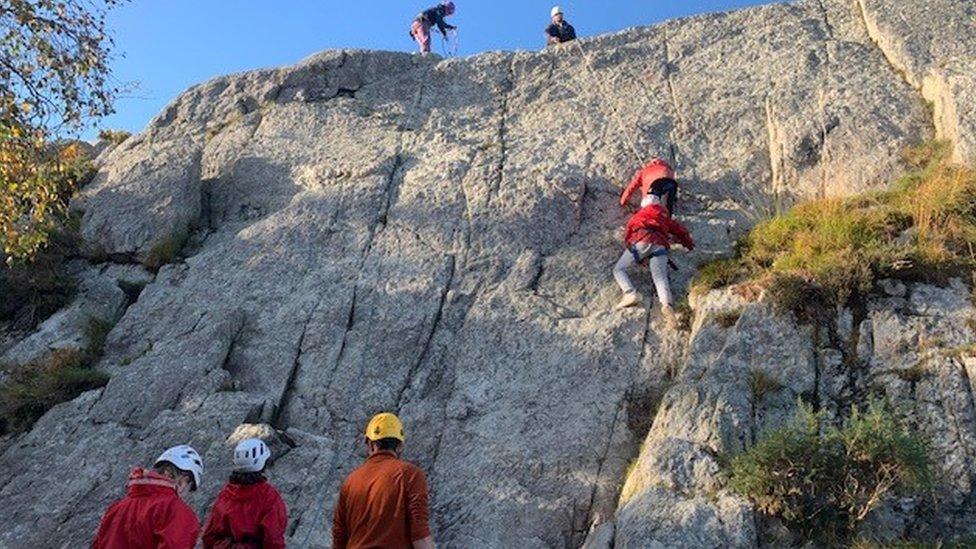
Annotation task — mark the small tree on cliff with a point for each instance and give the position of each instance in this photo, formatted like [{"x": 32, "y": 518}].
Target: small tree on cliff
[{"x": 54, "y": 77}]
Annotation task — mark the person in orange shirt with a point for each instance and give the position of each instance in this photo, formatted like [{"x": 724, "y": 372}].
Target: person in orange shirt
[{"x": 383, "y": 503}]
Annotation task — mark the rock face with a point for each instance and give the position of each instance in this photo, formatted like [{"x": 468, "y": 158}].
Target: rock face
[
  {"x": 910, "y": 348},
  {"x": 376, "y": 231}
]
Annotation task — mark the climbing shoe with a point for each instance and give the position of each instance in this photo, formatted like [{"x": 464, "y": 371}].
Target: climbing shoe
[
  {"x": 629, "y": 300},
  {"x": 670, "y": 318}
]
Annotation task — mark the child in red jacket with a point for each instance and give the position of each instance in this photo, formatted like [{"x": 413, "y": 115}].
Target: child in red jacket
[
  {"x": 249, "y": 511},
  {"x": 648, "y": 238},
  {"x": 152, "y": 514}
]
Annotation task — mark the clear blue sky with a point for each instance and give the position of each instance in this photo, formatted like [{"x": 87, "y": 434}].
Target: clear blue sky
[{"x": 169, "y": 45}]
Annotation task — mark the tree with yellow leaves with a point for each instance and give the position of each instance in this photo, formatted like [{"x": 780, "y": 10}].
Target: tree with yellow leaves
[{"x": 54, "y": 78}]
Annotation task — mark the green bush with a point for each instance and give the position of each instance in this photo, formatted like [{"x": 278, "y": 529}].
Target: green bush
[
  {"x": 718, "y": 273},
  {"x": 167, "y": 250},
  {"x": 116, "y": 137},
  {"x": 34, "y": 291},
  {"x": 33, "y": 389},
  {"x": 823, "y": 483},
  {"x": 924, "y": 228}
]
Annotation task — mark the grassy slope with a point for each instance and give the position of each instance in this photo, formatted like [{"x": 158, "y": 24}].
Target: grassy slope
[{"x": 924, "y": 228}]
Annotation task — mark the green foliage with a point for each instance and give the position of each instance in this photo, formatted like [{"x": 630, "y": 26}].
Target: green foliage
[
  {"x": 54, "y": 74},
  {"x": 925, "y": 227},
  {"x": 36, "y": 182},
  {"x": 824, "y": 483},
  {"x": 54, "y": 60},
  {"x": 116, "y": 137},
  {"x": 761, "y": 384},
  {"x": 34, "y": 291},
  {"x": 167, "y": 250},
  {"x": 33, "y": 389},
  {"x": 727, "y": 319},
  {"x": 718, "y": 273}
]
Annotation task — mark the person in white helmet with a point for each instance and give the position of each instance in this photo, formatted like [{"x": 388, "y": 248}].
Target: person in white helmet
[
  {"x": 153, "y": 513},
  {"x": 249, "y": 511},
  {"x": 559, "y": 30}
]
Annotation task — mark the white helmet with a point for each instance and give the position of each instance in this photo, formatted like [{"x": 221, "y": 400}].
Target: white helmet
[
  {"x": 250, "y": 455},
  {"x": 185, "y": 458},
  {"x": 556, "y": 10}
]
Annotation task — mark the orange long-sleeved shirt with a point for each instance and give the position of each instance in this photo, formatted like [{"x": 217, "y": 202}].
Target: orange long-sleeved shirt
[{"x": 383, "y": 503}]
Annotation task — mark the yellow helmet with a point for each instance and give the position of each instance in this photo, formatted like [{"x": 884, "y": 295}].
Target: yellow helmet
[{"x": 385, "y": 425}]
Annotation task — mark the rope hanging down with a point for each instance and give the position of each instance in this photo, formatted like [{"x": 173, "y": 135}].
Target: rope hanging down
[
  {"x": 598, "y": 85},
  {"x": 450, "y": 43}
]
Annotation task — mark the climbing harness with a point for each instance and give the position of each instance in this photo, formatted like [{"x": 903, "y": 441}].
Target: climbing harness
[
  {"x": 450, "y": 43},
  {"x": 641, "y": 259}
]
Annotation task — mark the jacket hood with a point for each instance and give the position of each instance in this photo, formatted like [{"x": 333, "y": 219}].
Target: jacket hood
[{"x": 144, "y": 483}]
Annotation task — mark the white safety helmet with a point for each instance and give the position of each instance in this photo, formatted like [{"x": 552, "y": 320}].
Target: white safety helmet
[
  {"x": 184, "y": 458},
  {"x": 250, "y": 455},
  {"x": 556, "y": 10}
]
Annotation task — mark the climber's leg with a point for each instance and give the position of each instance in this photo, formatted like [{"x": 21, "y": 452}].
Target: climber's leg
[
  {"x": 658, "y": 264},
  {"x": 620, "y": 271},
  {"x": 627, "y": 259},
  {"x": 421, "y": 33}
]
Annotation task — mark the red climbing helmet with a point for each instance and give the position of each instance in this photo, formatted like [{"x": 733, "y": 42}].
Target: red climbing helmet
[{"x": 448, "y": 7}]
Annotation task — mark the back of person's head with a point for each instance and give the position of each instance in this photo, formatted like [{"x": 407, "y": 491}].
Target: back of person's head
[
  {"x": 251, "y": 456},
  {"x": 387, "y": 444},
  {"x": 665, "y": 192},
  {"x": 385, "y": 432},
  {"x": 448, "y": 7},
  {"x": 181, "y": 461}
]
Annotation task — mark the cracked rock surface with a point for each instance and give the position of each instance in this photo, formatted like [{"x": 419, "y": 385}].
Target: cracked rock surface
[
  {"x": 913, "y": 350},
  {"x": 371, "y": 231}
]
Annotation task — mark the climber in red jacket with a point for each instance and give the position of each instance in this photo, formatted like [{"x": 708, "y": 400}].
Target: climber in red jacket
[
  {"x": 655, "y": 170},
  {"x": 153, "y": 514},
  {"x": 249, "y": 511},
  {"x": 648, "y": 238}
]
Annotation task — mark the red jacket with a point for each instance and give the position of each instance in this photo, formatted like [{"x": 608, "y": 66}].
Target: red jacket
[
  {"x": 652, "y": 224},
  {"x": 150, "y": 516},
  {"x": 656, "y": 169},
  {"x": 247, "y": 515}
]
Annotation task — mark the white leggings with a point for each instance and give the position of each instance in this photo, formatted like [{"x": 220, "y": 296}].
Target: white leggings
[{"x": 658, "y": 266}]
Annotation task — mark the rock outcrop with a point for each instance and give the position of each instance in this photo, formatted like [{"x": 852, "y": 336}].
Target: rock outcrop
[
  {"x": 372, "y": 231},
  {"x": 909, "y": 343}
]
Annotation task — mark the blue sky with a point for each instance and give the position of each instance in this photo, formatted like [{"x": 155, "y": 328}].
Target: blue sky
[{"x": 169, "y": 45}]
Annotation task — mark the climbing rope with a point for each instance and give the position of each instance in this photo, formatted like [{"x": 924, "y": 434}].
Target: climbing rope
[
  {"x": 598, "y": 85},
  {"x": 450, "y": 43}
]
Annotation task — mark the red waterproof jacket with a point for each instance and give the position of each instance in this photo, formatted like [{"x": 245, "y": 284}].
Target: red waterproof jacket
[
  {"x": 150, "y": 516},
  {"x": 652, "y": 224},
  {"x": 656, "y": 169},
  {"x": 247, "y": 515}
]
